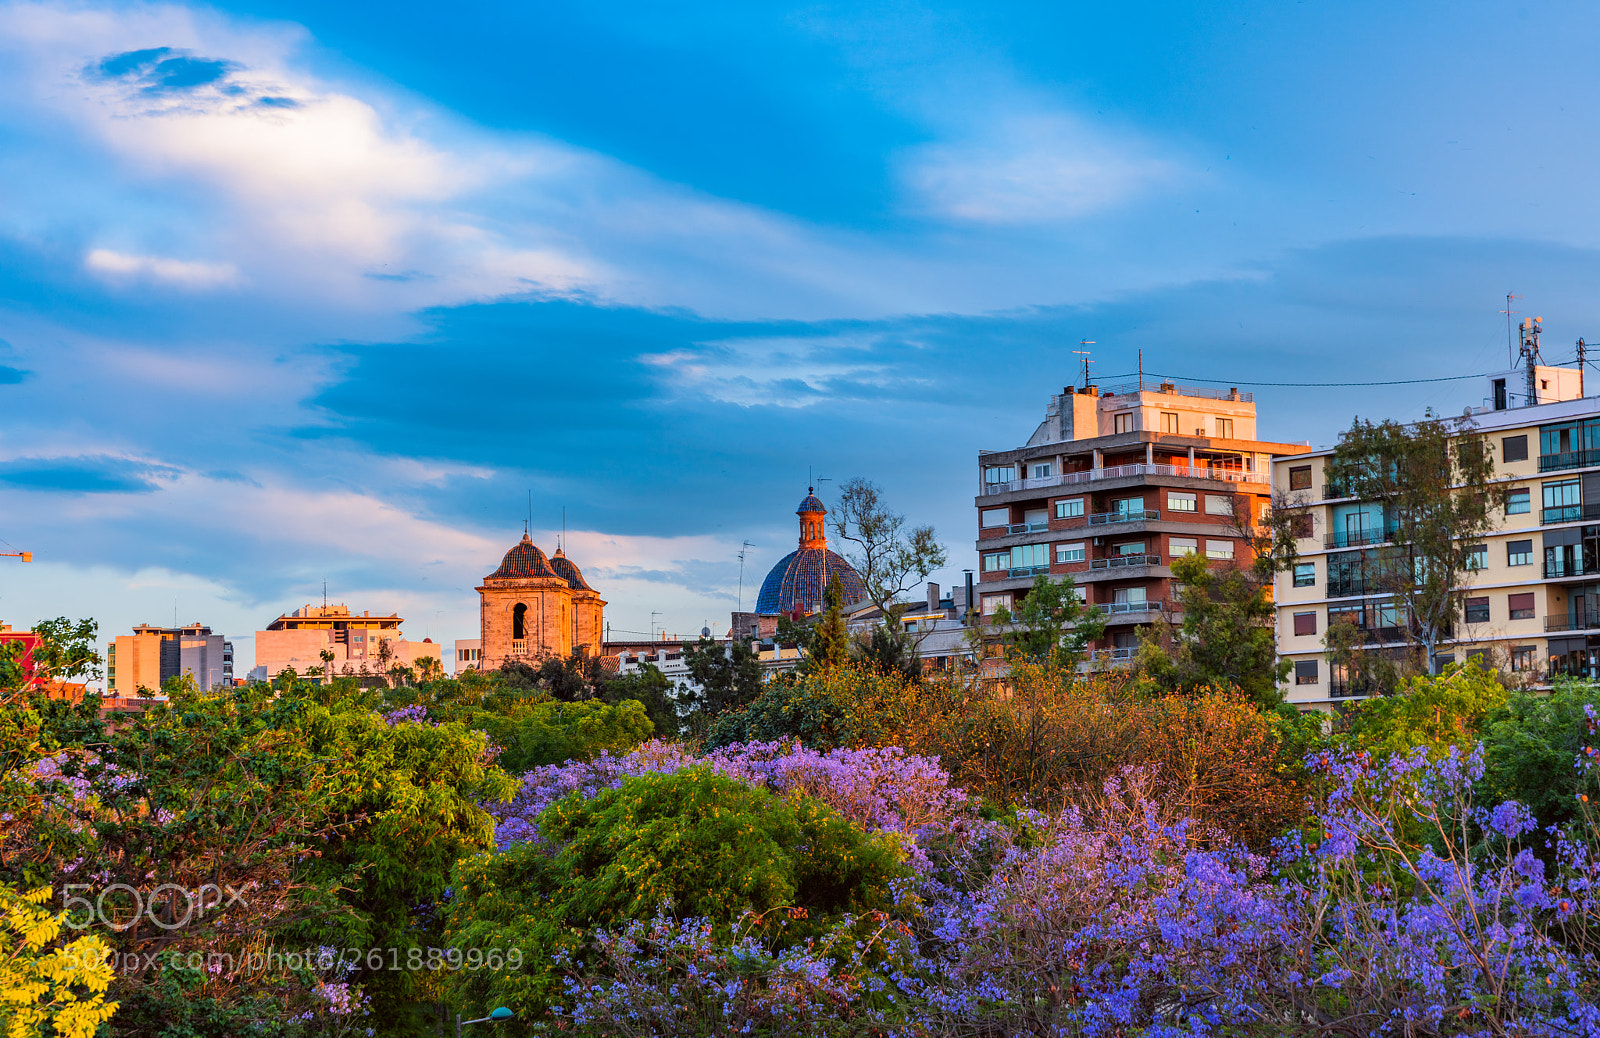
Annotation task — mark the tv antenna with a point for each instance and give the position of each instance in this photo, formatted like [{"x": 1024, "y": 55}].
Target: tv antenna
[
  {"x": 1086, "y": 361},
  {"x": 653, "y": 614},
  {"x": 1511, "y": 343},
  {"x": 743, "y": 549}
]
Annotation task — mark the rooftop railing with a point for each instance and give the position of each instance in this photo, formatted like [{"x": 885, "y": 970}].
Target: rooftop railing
[
  {"x": 1177, "y": 389},
  {"x": 1126, "y": 472}
]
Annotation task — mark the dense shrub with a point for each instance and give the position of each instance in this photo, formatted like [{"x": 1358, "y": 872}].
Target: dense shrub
[
  {"x": 844, "y": 705},
  {"x": 691, "y": 842}
]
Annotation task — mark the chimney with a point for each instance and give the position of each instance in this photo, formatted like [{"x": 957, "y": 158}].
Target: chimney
[{"x": 933, "y": 597}]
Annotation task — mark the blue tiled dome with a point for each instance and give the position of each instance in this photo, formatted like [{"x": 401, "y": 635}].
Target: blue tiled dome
[
  {"x": 811, "y": 504},
  {"x": 800, "y": 577},
  {"x": 523, "y": 560}
]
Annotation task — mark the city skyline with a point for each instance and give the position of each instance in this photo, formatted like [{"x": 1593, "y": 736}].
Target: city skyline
[{"x": 294, "y": 294}]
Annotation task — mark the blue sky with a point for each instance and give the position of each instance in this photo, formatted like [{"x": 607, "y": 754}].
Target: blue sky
[{"x": 296, "y": 292}]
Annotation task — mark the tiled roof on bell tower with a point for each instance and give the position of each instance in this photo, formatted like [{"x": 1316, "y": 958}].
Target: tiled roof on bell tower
[{"x": 523, "y": 560}]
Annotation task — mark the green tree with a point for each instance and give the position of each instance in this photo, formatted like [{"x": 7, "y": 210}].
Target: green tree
[
  {"x": 1436, "y": 711},
  {"x": 830, "y": 640},
  {"x": 692, "y": 843},
  {"x": 1431, "y": 480},
  {"x": 728, "y": 674},
  {"x": 1529, "y": 744},
  {"x": 649, "y": 686},
  {"x": 1050, "y": 627},
  {"x": 890, "y": 558},
  {"x": 1226, "y": 638},
  {"x": 66, "y": 650}
]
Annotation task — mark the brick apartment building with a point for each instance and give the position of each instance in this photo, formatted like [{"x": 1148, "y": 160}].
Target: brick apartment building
[{"x": 1113, "y": 485}]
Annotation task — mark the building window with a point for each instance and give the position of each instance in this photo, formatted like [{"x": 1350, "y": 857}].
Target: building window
[
  {"x": 1169, "y": 422},
  {"x": 1305, "y": 574},
  {"x": 1514, "y": 448},
  {"x": 1070, "y": 552},
  {"x": 1521, "y": 606},
  {"x": 1128, "y": 506},
  {"x": 1305, "y": 623},
  {"x": 1517, "y": 501},
  {"x": 1122, "y": 422},
  {"x": 1562, "y": 501},
  {"x": 1217, "y": 504},
  {"x": 1477, "y": 610},
  {"x": 1305, "y": 672},
  {"x": 1519, "y": 553},
  {"x": 519, "y": 628},
  {"x": 992, "y": 517},
  {"x": 1177, "y": 546},
  {"x": 1044, "y": 469},
  {"x": 1300, "y": 526},
  {"x": 998, "y": 560},
  {"x": 1131, "y": 548},
  {"x": 1026, "y": 556},
  {"x": 1300, "y": 477},
  {"x": 1224, "y": 428},
  {"x": 1071, "y": 508},
  {"x": 1177, "y": 502},
  {"x": 992, "y": 603},
  {"x": 1219, "y": 549},
  {"x": 999, "y": 473},
  {"x": 1523, "y": 657},
  {"x": 1476, "y": 558}
]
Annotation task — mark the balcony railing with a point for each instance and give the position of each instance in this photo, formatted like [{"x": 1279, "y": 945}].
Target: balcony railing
[
  {"x": 1027, "y": 571},
  {"x": 1119, "y": 561},
  {"x": 1568, "y": 460},
  {"x": 1126, "y": 515},
  {"x": 519, "y": 648},
  {"x": 1027, "y": 527},
  {"x": 1580, "y": 622},
  {"x": 1358, "y": 538},
  {"x": 1113, "y": 654},
  {"x": 1147, "y": 606},
  {"x": 1125, "y": 472},
  {"x": 1560, "y": 567},
  {"x": 1561, "y": 514}
]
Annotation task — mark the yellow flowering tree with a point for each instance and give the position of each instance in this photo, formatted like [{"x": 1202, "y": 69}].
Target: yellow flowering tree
[{"x": 45, "y": 991}]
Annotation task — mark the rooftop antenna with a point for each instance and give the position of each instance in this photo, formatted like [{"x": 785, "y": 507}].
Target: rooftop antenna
[
  {"x": 1086, "y": 362},
  {"x": 743, "y": 548},
  {"x": 1141, "y": 371},
  {"x": 1511, "y": 343},
  {"x": 1530, "y": 356},
  {"x": 1582, "y": 360},
  {"x": 563, "y": 539},
  {"x": 324, "y": 592},
  {"x": 653, "y": 614},
  {"x": 527, "y": 524}
]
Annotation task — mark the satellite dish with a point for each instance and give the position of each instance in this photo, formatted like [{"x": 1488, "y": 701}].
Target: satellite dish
[{"x": 705, "y": 632}]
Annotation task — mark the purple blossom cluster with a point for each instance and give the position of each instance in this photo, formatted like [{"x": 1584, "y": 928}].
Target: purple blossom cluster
[
  {"x": 416, "y": 713},
  {"x": 1403, "y": 908}
]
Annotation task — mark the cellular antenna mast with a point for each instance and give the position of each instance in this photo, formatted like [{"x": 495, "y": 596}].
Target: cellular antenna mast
[
  {"x": 1529, "y": 354},
  {"x": 1583, "y": 359},
  {"x": 743, "y": 549},
  {"x": 1511, "y": 343},
  {"x": 1086, "y": 361}
]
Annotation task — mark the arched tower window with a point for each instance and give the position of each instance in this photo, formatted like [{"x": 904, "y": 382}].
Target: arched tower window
[{"x": 519, "y": 622}]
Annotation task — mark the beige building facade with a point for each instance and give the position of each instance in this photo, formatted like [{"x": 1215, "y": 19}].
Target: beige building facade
[
  {"x": 152, "y": 655},
  {"x": 1530, "y": 605},
  {"x": 535, "y": 606},
  {"x": 364, "y": 644}
]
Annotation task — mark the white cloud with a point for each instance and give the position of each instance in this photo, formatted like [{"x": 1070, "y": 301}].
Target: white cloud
[
  {"x": 184, "y": 273},
  {"x": 1030, "y": 167}
]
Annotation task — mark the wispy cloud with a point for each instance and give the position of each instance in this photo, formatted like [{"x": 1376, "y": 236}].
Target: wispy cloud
[
  {"x": 185, "y": 273},
  {"x": 1029, "y": 167}
]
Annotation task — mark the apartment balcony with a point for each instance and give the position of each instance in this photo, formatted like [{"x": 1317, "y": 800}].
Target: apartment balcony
[
  {"x": 1027, "y": 571},
  {"x": 1559, "y": 568},
  {"x": 1125, "y": 472},
  {"x": 1028, "y": 527},
  {"x": 519, "y": 647},
  {"x": 1580, "y": 622},
  {"x": 1113, "y": 655},
  {"x": 1568, "y": 460},
  {"x": 1360, "y": 538},
  {"x": 1561, "y": 514},
  {"x": 1127, "y": 515},
  {"x": 1130, "y": 609},
  {"x": 1122, "y": 561}
]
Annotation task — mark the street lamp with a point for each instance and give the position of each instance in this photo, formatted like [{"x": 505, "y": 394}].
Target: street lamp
[{"x": 493, "y": 1018}]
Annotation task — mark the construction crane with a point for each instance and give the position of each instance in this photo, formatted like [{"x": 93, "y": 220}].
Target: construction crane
[{"x": 25, "y": 556}]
